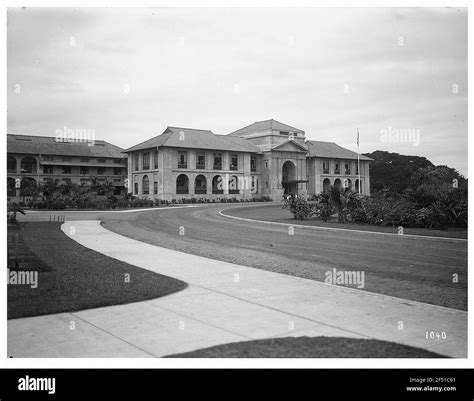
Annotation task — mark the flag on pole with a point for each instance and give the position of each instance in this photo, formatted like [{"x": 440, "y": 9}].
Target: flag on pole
[{"x": 358, "y": 163}]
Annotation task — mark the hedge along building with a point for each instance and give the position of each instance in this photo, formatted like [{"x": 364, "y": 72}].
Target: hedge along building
[
  {"x": 193, "y": 163},
  {"x": 266, "y": 158}
]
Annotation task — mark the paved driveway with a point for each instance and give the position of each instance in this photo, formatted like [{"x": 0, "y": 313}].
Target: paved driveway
[{"x": 225, "y": 303}]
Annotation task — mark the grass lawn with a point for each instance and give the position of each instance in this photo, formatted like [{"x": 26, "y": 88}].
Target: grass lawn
[
  {"x": 72, "y": 277},
  {"x": 276, "y": 214},
  {"x": 310, "y": 347}
]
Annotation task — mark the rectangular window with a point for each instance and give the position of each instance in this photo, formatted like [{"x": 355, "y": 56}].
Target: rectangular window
[
  {"x": 253, "y": 163},
  {"x": 84, "y": 170},
  {"x": 287, "y": 133},
  {"x": 100, "y": 160},
  {"x": 325, "y": 167},
  {"x": 155, "y": 187},
  {"x": 47, "y": 169},
  {"x": 101, "y": 170},
  {"x": 217, "y": 161},
  {"x": 66, "y": 170},
  {"x": 84, "y": 160},
  {"x": 182, "y": 159},
  {"x": 336, "y": 168},
  {"x": 135, "y": 158},
  {"x": 135, "y": 188},
  {"x": 200, "y": 160},
  {"x": 234, "y": 161},
  {"x": 117, "y": 171},
  {"x": 347, "y": 168},
  {"x": 146, "y": 161},
  {"x": 155, "y": 159}
]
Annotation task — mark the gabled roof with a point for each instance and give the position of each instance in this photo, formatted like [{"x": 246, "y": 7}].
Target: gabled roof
[
  {"x": 294, "y": 143},
  {"x": 177, "y": 137},
  {"x": 331, "y": 150},
  {"x": 265, "y": 126},
  {"x": 47, "y": 145}
]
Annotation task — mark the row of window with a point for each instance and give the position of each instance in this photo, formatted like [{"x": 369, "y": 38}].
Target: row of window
[
  {"x": 82, "y": 170},
  {"x": 200, "y": 161},
  {"x": 85, "y": 181},
  {"x": 337, "y": 170},
  {"x": 82, "y": 159},
  {"x": 146, "y": 161},
  {"x": 200, "y": 185}
]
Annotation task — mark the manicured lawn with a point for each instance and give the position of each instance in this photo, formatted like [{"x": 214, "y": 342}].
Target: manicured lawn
[
  {"x": 310, "y": 347},
  {"x": 276, "y": 214},
  {"x": 72, "y": 277}
]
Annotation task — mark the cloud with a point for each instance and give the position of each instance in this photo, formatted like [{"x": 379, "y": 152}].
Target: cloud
[{"x": 127, "y": 73}]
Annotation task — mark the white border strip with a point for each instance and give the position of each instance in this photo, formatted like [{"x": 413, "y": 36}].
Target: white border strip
[{"x": 337, "y": 229}]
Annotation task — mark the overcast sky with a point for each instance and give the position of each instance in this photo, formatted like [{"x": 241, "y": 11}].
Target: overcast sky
[{"x": 129, "y": 73}]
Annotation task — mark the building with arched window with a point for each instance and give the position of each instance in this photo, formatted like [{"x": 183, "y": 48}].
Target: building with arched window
[
  {"x": 35, "y": 160},
  {"x": 266, "y": 158}
]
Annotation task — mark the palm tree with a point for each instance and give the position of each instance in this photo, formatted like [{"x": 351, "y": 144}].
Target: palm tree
[{"x": 339, "y": 201}]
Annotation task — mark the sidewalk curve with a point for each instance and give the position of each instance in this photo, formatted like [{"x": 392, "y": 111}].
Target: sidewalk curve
[{"x": 225, "y": 303}]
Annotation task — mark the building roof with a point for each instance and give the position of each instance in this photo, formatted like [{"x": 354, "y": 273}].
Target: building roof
[
  {"x": 265, "y": 126},
  {"x": 331, "y": 150},
  {"x": 177, "y": 137},
  {"x": 48, "y": 145}
]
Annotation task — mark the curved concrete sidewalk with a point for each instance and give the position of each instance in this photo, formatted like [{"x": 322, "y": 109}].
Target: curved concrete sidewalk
[{"x": 224, "y": 303}]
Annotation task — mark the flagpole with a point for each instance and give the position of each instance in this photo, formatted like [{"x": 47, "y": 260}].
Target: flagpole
[{"x": 358, "y": 160}]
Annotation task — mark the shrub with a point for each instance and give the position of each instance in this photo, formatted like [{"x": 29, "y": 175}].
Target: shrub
[{"x": 300, "y": 208}]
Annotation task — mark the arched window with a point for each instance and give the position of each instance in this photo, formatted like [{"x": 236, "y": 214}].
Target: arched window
[
  {"x": 11, "y": 164},
  {"x": 233, "y": 185},
  {"x": 357, "y": 183},
  {"x": 146, "y": 185},
  {"x": 182, "y": 184},
  {"x": 337, "y": 183},
  {"x": 326, "y": 185},
  {"x": 200, "y": 185},
  {"x": 28, "y": 165},
  {"x": 217, "y": 185},
  {"x": 11, "y": 190},
  {"x": 347, "y": 183}
]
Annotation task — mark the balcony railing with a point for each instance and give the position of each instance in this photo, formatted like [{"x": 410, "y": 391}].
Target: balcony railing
[
  {"x": 200, "y": 191},
  {"x": 217, "y": 167}
]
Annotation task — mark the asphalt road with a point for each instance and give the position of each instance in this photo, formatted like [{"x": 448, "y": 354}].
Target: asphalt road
[{"x": 419, "y": 269}]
